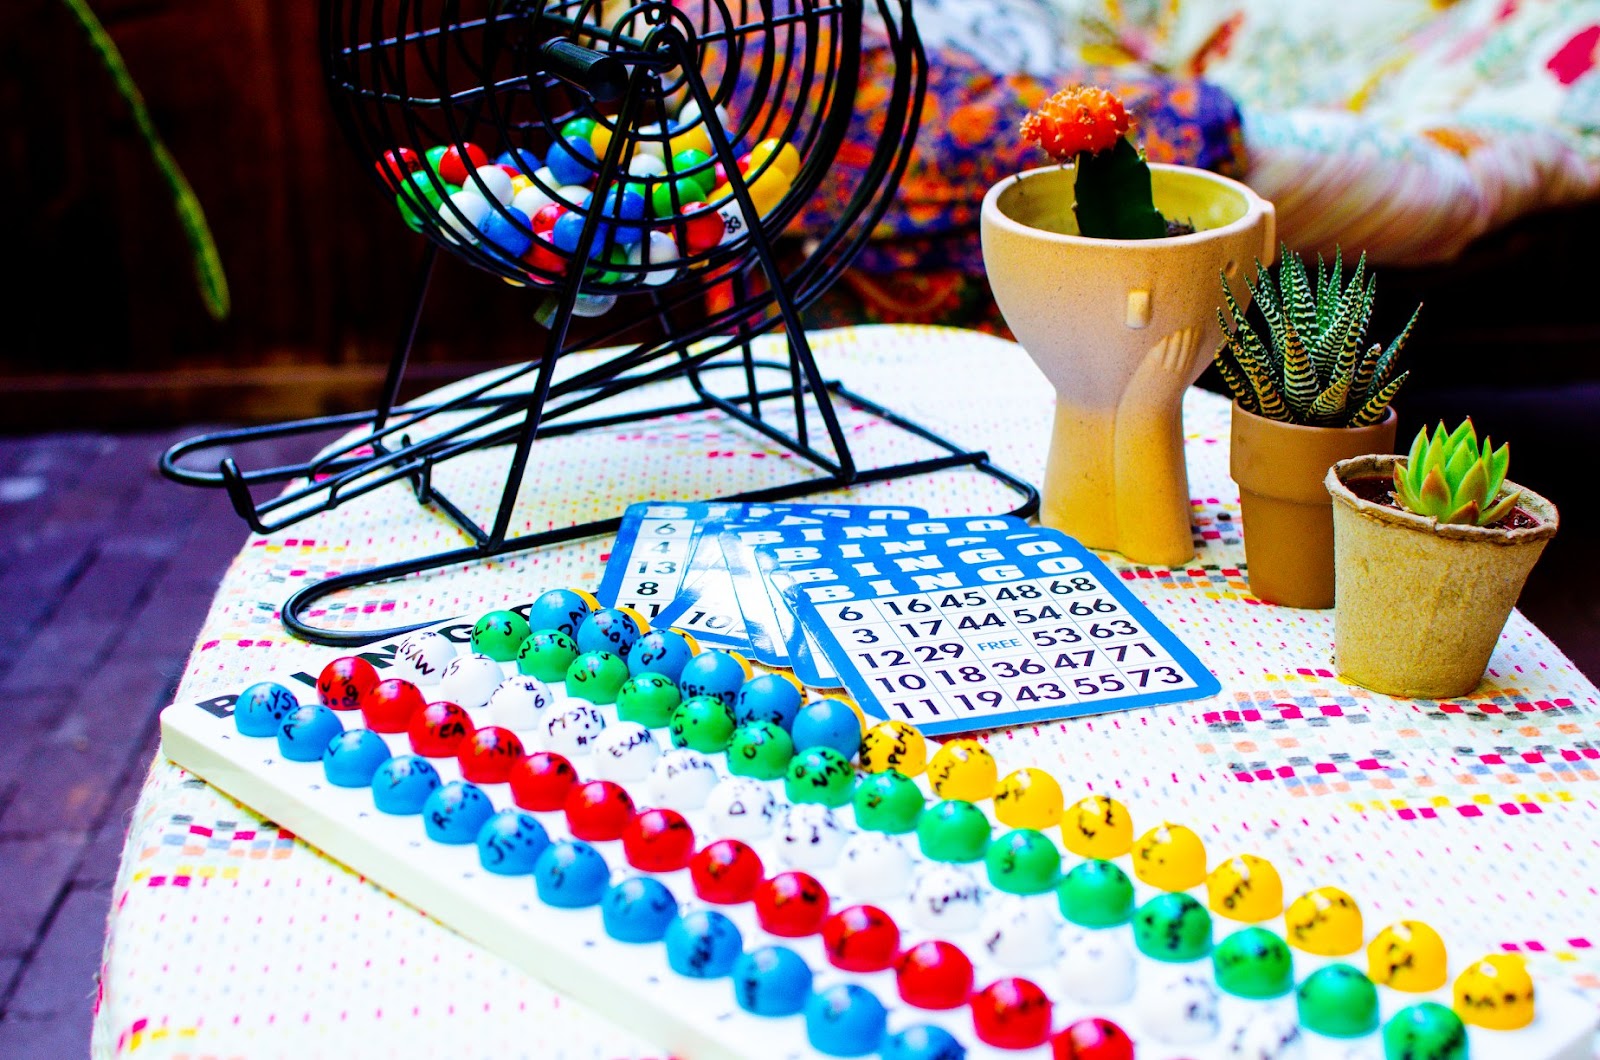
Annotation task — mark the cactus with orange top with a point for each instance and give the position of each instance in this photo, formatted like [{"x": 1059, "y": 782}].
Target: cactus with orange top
[{"x": 1088, "y": 126}]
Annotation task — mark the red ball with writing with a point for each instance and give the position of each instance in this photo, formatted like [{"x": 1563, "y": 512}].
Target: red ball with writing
[
  {"x": 395, "y": 165},
  {"x": 598, "y": 809},
  {"x": 344, "y": 682},
  {"x": 791, "y": 904},
  {"x": 934, "y": 975},
  {"x": 861, "y": 938},
  {"x": 541, "y": 781},
  {"x": 658, "y": 841},
  {"x": 487, "y": 755},
  {"x": 453, "y": 167},
  {"x": 391, "y": 704},
  {"x": 436, "y": 731},
  {"x": 1012, "y": 1013},
  {"x": 1092, "y": 1039},
  {"x": 725, "y": 872}
]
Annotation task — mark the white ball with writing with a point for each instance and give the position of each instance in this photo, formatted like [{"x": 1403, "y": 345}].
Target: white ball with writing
[
  {"x": 521, "y": 703},
  {"x": 422, "y": 657},
  {"x": 469, "y": 680},
  {"x": 574, "y": 731},
  {"x": 1178, "y": 1008},
  {"x": 682, "y": 779},
  {"x": 1020, "y": 932},
  {"x": 875, "y": 866},
  {"x": 945, "y": 899},
  {"x": 1264, "y": 1032},
  {"x": 625, "y": 751},
  {"x": 810, "y": 837},
  {"x": 1096, "y": 967},
  {"x": 742, "y": 808}
]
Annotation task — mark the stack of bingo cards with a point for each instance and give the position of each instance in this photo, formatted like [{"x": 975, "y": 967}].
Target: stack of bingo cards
[
  {"x": 951, "y": 624},
  {"x": 732, "y": 868}
]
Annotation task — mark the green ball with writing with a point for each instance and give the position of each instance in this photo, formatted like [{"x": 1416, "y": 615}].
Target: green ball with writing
[{"x": 760, "y": 749}]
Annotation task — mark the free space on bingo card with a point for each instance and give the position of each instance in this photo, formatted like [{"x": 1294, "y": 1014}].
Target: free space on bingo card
[{"x": 1004, "y": 633}]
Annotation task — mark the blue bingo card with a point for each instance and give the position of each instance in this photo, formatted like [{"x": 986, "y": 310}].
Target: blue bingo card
[
  {"x": 709, "y": 603},
  {"x": 652, "y": 551},
  {"x": 1002, "y": 633}
]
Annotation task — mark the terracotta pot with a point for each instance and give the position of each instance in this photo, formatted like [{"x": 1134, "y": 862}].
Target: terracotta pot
[
  {"x": 1421, "y": 604},
  {"x": 1288, "y": 517},
  {"x": 1120, "y": 328}
]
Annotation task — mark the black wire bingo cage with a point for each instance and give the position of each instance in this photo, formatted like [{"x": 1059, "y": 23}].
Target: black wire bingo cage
[{"x": 679, "y": 90}]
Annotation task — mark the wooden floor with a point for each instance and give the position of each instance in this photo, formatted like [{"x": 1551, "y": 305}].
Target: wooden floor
[{"x": 106, "y": 573}]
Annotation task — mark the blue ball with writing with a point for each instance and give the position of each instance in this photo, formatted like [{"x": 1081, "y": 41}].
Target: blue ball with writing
[
  {"x": 522, "y": 158},
  {"x": 511, "y": 232},
  {"x": 845, "y": 1020},
  {"x": 510, "y": 842},
  {"x": 352, "y": 758},
  {"x": 923, "y": 1041},
  {"x": 570, "y": 874},
  {"x": 455, "y": 812},
  {"x": 401, "y": 785},
  {"x": 571, "y": 160},
  {"x": 703, "y": 945},
  {"x": 638, "y": 909},
  {"x": 714, "y": 673},
  {"x": 771, "y": 981},
  {"x": 768, "y": 697},
  {"x": 608, "y": 629},
  {"x": 661, "y": 651},
  {"x": 306, "y": 731},
  {"x": 261, "y": 708},
  {"x": 560, "y": 609},
  {"x": 827, "y": 723}
]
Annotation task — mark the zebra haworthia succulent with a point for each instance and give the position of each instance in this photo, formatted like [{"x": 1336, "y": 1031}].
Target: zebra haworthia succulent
[{"x": 1310, "y": 368}]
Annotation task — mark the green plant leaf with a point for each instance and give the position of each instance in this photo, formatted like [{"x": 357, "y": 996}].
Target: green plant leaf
[
  {"x": 1298, "y": 300},
  {"x": 1266, "y": 299},
  {"x": 1376, "y": 405},
  {"x": 1299, "y": 377},
  {"x": 1472, "y": 486},
  {"x": 1499, "y": 461},
  {"x": 1113, "y": 198},
  {"x": 1460, "y": 461},
  {"x": 1500, "y": 509},
  {"x": 1434, "y": 496},
  {"x": 1386, "y": 364},
  {"x": 1233, "y": 375},
  {"x": 1464, "y": 435},
  {"x": 1329, "y": 405},
  {"x": 1465, "y": 514}
]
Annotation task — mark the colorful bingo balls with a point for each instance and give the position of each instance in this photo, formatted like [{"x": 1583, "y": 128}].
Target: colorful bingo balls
[
  {"x": 1096, "y": 894},
  {"x": 1029, "y": 798},
  {"x": 1170, "y": 857},
  {"x": 703, "y": 945},
  {"x": 827, "y": 723},
  {"x": 1011, "y": 1013},
  {"x": 626, "y": 204},
  {"x": 696, "y": 166},
  {"x": 389, "y": 707},
  {"x": 487, "y": 755},
  {"x": 1096, "y": 967},
  {"x": 541, "y": 781},
  {"x": 510, "y": 231},
  {"x": 1023, "y": 861},
  {"x": 395, "y": 165},
  {"x": 768, "y": 697},
  {"x": 887, "y": 802},
  {"x": 1425, "y": 1031},
  {"x": 454, "y": 813},
  {"x": 791, "y": 905},
  {"x": 520, "y": 703},
  {"x": 499, "y": 635},
  {"x": 668, "y": 197},
  {"x": 638, "y": 909},
  {"x": 742, "y": 808},
  {"x": 403, "y": 784},
  {"x": 894, "y": 745},
  {"x": 524, "y": 159},
  {"x": 423, "y": 655},
  {"x": 596, "y": 676},
  {"x": 1018, "y": 932},
  {"x": 598, "y": 810},
  {"x": 1179, "y": 1009},
  {"x": 568, "y": 233},
  {"x": 682, "y": 777},
  {"x": 702, "y": 723},
  {"x": 953, "y": 831},
  {"x": 660, "y": 651},
  {"x": 1094, "y": 1038},
  {"x": 1255, "y": 963},
  {"x": 934, "y": 975},
  {"x": 470, "y": 680},
  {"x": 510, "y": 842},
  {"x": 946, "y": 899},
  {"x": 460, "y": 159},
  {"x": 648, "y": 699},
  {"x": 1338, "y": 1001},
  {"x": 1496, "y": 993},
  {"x": 352, "y": 758},
  {"x": 861, "y": 938},
  {"x": 714, "y": 673},
  {"x": 873, "y": 865},
  {"x": 1325, "y": 921},
  {"x": 561, "y": 609},
  {"x": 1409, "y": 956},
  {"x": 1245, "y": 888},
  {"x": 261, "y": 708},
  {"x": 547, "y": 655},
  {"x": 437, "y": 730},
  {"x": 725, "y": 872},
  {"x": 963, "y": 769},
  {"x": 570, "y": 874},
  {"x": 306, "y": 731},
  {"x": 657, "y": 840},
  {"x": 625, "y": 751},
  {"x": 344, "y": 682},
  {"x": 420, "y": 196},
  {"x": 572, "y": 160},
  {"x": 609, "y": 629},
  {"x": 771, "y": 981},
  {"x": 760, "y": 749},
  {"x": 1097, "y": 826},
  {"x": 922, "y": 1041},
  {"x": 493, "y": 183},
  {"x": 810, "y": 836},
  {"x": 845, "y": 1019},
  {"x": 820, "y": 774},
  {"x": 1172, "y": 927}
]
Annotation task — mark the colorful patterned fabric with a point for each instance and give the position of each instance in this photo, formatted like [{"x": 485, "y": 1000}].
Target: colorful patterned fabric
[{"x": 229, "y": 937}]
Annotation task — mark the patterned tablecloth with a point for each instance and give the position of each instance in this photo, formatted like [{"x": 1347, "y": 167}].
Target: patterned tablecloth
[{"x": 229, "y": 937}]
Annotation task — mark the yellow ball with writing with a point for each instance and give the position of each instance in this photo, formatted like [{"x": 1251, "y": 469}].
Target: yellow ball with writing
[
  {"x": 1326, "y": 922},
  {"x": 1407, "y": 955},
  {"x": 1029, "y": 798},
  {"x": 963, "y": 769},
  {"x": 1245, "y": 888},
  {"x": 1170, "y": 857},
  {"x": 894, "y": 745},
  {"x": 1097, "y": 826},
  {"x": 1495, "y": 993}
]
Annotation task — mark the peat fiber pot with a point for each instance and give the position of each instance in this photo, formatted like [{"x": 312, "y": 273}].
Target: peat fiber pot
[
  {"x": 1420, "y": 604},
  {"x": 1121, "y": 328},
  {"x": 1288, "y": 517}
]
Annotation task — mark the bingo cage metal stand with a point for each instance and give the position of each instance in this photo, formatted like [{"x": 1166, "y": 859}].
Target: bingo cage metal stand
[{"x": 404, "y": 75}]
